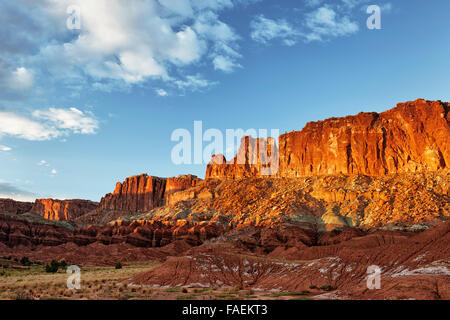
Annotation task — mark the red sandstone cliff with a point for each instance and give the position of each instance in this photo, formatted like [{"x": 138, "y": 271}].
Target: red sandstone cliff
[
  {"x": 143, "y": 192},
  {"x": 9, "y": 205},
  {"x": 15, "y": 230},
  {"x": 412, "y": 137},
  {"x": 137, "y": 193},
  {"x": 62, "y": 209},
  {"x": 255, "y": 157}
]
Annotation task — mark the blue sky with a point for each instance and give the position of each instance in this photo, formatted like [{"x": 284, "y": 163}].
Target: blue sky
[{"x": 82, "y": 109}]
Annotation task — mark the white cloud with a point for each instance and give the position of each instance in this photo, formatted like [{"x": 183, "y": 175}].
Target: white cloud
[
  {"x": 43, "y": 163},
  {"x": 5, "y": 148},
  {"x": 320, "y": 24},
  {"x": 264, "y": 30},
  {"x": 53, "y": 172},
  {"x": 194, "y": 83},
  {"x": 24, "y": 128},
  {"x": 72, "y": 119},
  {"x": 135, "y": 43},
  {"x": 161, "y": 92},
  {"x": 21, "y": 79},
  {"x": 225, "y": 64},
  {"x": 47, "y": 124},
  {"x": 325, "y": 22}
]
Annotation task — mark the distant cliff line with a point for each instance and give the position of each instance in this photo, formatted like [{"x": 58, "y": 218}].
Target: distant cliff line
[{"x": 412, "y": 137}]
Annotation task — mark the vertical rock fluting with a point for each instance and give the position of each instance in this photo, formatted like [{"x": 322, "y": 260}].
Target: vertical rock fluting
[
  {"x": 62, "y": 209},
  {"x": 143, "y": 192},
  {"x": 255, "y": 157},
  {"x": 136, "y": 194},
  {"x": 414, "y": 136}
]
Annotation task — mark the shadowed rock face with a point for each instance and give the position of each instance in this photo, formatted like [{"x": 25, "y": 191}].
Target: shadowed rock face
[
  {"x": 413, "y": 264},
  {"x": 135, "y": 194},
  {"x": 143, "y": 192},
  {"x": 62, "y": 209},
  {"x": 15, "y": 231},
  {"x": 12, "y": 206},
  {"x": 255, "y": 158},
  {"x": 412, "y": 137}
]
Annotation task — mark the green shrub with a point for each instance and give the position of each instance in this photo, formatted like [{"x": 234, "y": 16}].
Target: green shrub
[
  {"x": 25, "y": 261},
  {"x": 118, "y": 265},
  {"x": 327, "y": 287},
  {"x": 53, "y": 267}
]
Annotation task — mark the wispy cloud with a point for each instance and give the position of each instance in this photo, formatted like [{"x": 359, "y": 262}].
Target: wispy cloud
[
  {"x": 72, "y": 119},
  {"x": 47, "y": 124},
  {"x": 5, "y": 148},
  {"x": 264, "y": 30},
  {"x": 161, "y": 92},
  {"x": 43, "y": 163},
  {"x": 194, "y": 83},
  {"x": 320, "y": 22}
]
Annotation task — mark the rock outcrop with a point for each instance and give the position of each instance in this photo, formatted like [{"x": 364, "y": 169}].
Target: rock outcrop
[
  {"x": 255, "y": 158},
  {"x": 143, "y": 192},
  {"x": 412, "y": 137},
  {"x": 315, "y": 203},
  {"x": 414, "y": 265},
  {"x": 136, "y": 194},
  {"x": 62, "y": 209},
  {"x": 15, "y": 231},
  {"x": 12, "y": 206}
]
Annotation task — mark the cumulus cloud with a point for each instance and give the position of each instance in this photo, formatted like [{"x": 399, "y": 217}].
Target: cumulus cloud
[
  {"x": 25, "y": 128},
  {"x": 325, "y": 22},
  {"x": 47, "y": 124},
  {"x": 119, "y": 41}
]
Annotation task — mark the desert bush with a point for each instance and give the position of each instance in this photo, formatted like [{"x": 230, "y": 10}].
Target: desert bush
[
  {"x": 53, "y": 267},
  {"x": 118, "y": 265},
  {"x": 25, "y": 261},
  {"x": 327, "y": 287}
]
